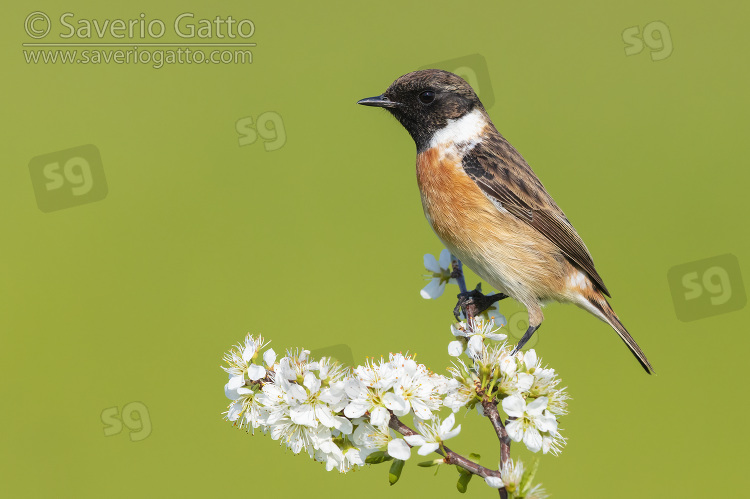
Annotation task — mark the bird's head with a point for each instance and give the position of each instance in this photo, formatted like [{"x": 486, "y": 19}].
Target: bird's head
[{"x": 425, "y": 102}]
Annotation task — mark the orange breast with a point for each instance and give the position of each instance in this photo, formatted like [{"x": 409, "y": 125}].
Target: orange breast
[
  {"x": 452, "y": 202},
  {"x": 504, "y": 251}
]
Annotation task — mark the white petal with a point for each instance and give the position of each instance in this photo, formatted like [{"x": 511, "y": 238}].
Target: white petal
[
  {"x": 410, "y": 367},
  {"x": 508, "y": 365},
  {"x": 524, "y": 381},
  {"x": 331, "y": 396},
  {"x": 343, "y": 425},
  {"x": 269, "y": 357},
  {"x": 303, "y": 414},
  {"x": 231, "y": 394},
  {"x": 458, "y": 329},
  {"x": 355, "y": 409},
  {"x": 415, "y": 440},
  {"x": 533, "y": 440},
  {"x": 323, "y": 413},
  {"x": 398, "y": 449},
  {"x": 296, "y": 393},
  {"x": 234, "y": 411},
  {"x": 394, "y": 402},
  {"x": 537, "y": 407},
  {"x": 235, "y": 382},
  {"x": 475, "y": 345},
  {"x": 529, "y": 358},
  {"x": 455, "y": 348},
  {"x": 445, "y": 259},
  {"x": 420, "y": 409},
  {"x": 452, "y": 433},
  {"x": 493, "y": 482},
  {"x": 355, "y": 389},
  {"x": 379, "y": 416},
  {"x": 431, "y": 264},
  {"x": 515, "y": 430},
  {"x": 249, "y": 351},
  {"x": 433, "y": 289},
  {"x": 514, "y": 406},
  {"x": 428, "y": 448},
  {"x": 312, "y": 382},
  {"x": 447, "y": 424},
  {"x": 256, "y": 372},
  {"x": 547, "y": 422}
]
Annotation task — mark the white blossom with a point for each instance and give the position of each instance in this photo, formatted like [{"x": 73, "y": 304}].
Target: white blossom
[
  {"x": 440, "y": 270},
  {"x": 371, "y": 438},
  {"x": 339, "y": 416},
  {"x": 475, "y": 332},
  {"x": 516, "y": 481},
  {"x": 493, "y": 481},
  {"x": 531, "y": 420},
  {"x": 432, "y": 434}
]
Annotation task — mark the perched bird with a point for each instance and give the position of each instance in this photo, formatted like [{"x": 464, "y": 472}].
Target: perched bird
[{"x": 488, "y": 207}]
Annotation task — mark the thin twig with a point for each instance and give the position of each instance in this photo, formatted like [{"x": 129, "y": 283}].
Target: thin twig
[
  {"x": 450, "y": 456},
  {"x": 490, "y": 410}
]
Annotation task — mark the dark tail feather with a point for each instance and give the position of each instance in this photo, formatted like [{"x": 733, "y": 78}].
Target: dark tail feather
[{"x": 614, "y": 321}]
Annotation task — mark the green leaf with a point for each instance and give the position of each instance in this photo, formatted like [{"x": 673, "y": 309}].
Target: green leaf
[
  {"x": 528, "y": 477},
  {"x": 396, "y": 467},
  {"x": 474, "y": 457},
  {"x": 378, "y": 457},
  {"x": 427, "y": 464},
  {"x": 463, "y": 480}
]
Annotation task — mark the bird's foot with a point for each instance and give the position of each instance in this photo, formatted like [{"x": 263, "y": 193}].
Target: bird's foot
[
  {"x": 474, "y": 302},
  {"x": 526, "y": 337}
]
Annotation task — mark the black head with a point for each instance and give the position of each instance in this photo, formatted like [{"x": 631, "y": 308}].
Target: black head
[{"x": 424, "y": 101}]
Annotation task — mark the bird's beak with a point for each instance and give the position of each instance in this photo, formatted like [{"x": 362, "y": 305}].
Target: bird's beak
[{"x": 379, "y": 101}]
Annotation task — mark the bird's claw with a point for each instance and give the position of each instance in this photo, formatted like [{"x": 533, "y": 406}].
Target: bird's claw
[{"x": 474, "y": 302}]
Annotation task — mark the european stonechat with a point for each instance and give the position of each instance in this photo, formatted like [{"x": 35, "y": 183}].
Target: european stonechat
[{"x": 488, "y": 207}]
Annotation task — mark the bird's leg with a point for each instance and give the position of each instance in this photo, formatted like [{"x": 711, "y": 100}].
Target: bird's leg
[
  {"x": 473, "y": 303},
  {"x": 526, "y": 337}
]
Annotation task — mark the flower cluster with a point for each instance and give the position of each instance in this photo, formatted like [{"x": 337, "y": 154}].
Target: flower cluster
[
  {"x": 348, "y": 417},
  {"x": 340, "y": 416},
  {"x": 528, "y": 391},
  {"x": 337, "y": 415}
]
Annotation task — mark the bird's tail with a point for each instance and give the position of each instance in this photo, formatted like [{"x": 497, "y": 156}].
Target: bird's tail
[{"x": 610, "y": 317}]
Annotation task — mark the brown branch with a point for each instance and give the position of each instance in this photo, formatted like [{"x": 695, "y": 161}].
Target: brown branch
[
  {"x": 450, "y": 456},
  {"x": 490, "y": 410}
]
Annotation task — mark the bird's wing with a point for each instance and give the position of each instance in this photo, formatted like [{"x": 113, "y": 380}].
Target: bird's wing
[{"x": 504, "y": 176}]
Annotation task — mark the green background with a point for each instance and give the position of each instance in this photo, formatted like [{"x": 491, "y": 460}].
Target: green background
[{"x": 136, "y": 297}]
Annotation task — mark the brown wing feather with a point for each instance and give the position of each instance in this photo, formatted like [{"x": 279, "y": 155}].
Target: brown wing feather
[{"x": 503, "y": 175}]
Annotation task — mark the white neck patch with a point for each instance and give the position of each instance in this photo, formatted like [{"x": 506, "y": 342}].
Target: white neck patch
[{"x": 463, "y": 133}]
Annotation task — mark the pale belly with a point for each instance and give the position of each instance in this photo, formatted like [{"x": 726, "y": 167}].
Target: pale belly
[{"x": 505, "y": 252}]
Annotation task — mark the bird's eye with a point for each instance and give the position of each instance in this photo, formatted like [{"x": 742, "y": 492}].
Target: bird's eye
[{"x": 427, "y": 97}]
